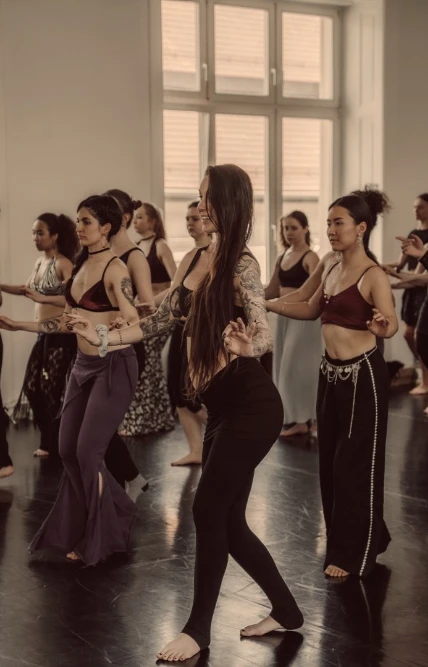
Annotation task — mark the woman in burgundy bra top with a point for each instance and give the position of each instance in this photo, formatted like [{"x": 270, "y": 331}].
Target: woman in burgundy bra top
[
  {"x": 355, "y": 305},
  {"x": 92, "y": 516}
]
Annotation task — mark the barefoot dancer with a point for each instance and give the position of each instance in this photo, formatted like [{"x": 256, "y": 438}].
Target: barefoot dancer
[
  {"x": 414, "y": 247},
  {"x": 6, "y": 465},
  {"x": 191, "y": 412},
  {"x": 297, "y": 344},
  {"x": 92, "y": 516},
  {"x": 51, "y": 356},
  {"x": 244, "y": 408},
  {"x": 414, "y": 296},
  {"x": 355, "y": 304}
]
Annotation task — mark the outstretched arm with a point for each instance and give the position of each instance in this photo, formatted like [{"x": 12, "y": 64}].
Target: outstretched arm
[
  {"x": 50, "y": 326},
  {"x": 249, "y": 285},
  {"x": 298, "y": 311}
]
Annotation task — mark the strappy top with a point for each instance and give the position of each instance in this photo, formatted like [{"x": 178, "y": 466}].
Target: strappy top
[
  {"x": 49, "y": 284},
  {"x": 348, "y": 308},
  {"x": 95, "y": 298},
  {"x": 185, "y": 294},
  {"x": 157, "y": 269},
  {"x": 124, "y": 259},
  {"x": 295, "y": 276}
]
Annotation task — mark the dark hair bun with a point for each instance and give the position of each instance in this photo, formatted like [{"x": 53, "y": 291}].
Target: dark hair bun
[
  {"x": 136, "y": 204},
  {"x": 377, "y": 201},
  {"x": 423, "y": 196}
]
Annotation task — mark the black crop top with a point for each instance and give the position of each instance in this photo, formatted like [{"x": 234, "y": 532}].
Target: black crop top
[
  {"x": 95, "y": 298},
  {"x": 185, "y": 294},
  {"x": 157, "y": 269},
  {"x": 295, "y": 276},
  {"x": 124, "y": 259}
]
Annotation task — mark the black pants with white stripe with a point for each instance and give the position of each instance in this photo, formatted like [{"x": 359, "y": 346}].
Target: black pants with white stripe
[{"x": 352, "y": 412}]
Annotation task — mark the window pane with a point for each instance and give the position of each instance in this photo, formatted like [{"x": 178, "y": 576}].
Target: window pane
[
  {"x": 182, "y": 174},
  {"x": 307, "y": 56},
  {"x": 241, "y": 60},
  {"x": 180, "y": 45},
  {"x": 307, "y": 172},
  {"x": 241, "y": 140}
]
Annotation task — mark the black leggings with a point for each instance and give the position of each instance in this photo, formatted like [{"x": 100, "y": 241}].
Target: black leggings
[
  {"x": 241, "y": 429},
  {"x": 5, "y": 459},
  {"x": 422, "y": 346}
]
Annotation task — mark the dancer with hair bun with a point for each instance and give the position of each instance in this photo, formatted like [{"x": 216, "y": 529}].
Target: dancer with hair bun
[
  {"x": 297, "y": 346},
  {"x": 50, "y": 359},
  {"x": 150, "y": 411},
  {"x": 224, "y": 339},
  {"x": 355, "y": 305},
  {"x": 92, "y": 516}
]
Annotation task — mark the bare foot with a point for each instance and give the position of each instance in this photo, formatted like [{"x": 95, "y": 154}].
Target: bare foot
[
  {"x": 419, "y": 390},
  {"x": 297, "y": 429},
  {"x": 259, "y": 629},
  {"x": 333, "y": 571},
  {"x": 182, "y": 648},
  {"x": 190, "y": 459},
  {"x": 73, "y": 556},
  {"x": 41, "y": 453},
  {"x": 6, "y": 471}
]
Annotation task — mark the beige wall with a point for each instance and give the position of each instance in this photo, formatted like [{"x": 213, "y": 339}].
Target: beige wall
[{"x": 76, "y": 107}]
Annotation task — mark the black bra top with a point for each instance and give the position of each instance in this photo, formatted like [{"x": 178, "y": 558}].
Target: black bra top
[
  {"x": 95, "y": 298},
  {"x": 157, "y": 269},
  {"x": 125, "y": 258},
  {"x": 294, "y": 276},
  {"x": 185, "y": 294}
]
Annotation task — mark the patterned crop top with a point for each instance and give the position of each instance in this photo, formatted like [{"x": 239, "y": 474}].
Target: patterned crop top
[
  {"x": 185, "y": 294},
  {"x": 49, "y": 284},
  {"x": 95, "y": 298},
  {"x": 295, "y": 276},
  {"x": 348, "y": 308}
]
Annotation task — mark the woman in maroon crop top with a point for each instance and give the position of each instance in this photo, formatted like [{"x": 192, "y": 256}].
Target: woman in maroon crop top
[
  {"x": 355, "y": 304},
  {"x": 92, "y": 516},
  {"x": 297, "y": 344}
]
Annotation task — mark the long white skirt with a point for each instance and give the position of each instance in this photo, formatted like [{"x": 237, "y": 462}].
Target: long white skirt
[{"x": 296, "y": 361}]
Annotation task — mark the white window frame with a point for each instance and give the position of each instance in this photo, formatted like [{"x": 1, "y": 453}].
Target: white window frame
[{"x": 274, "y": 106}]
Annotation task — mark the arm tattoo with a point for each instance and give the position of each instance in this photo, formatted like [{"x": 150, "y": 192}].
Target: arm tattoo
[
  {"x": 252, "y": 297},
  {"x": 126, "y": 288},
  {"x": 162, "y": 320},
  {"x": 49, "y": 326}
]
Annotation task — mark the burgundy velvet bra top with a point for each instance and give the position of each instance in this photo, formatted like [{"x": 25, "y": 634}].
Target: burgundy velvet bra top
[
  {"x": 348, "y": 308},
  {"x": 95, "y": 298}
]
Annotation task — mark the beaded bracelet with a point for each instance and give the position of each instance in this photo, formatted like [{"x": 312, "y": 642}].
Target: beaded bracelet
[{"x": 102, "y": 332}]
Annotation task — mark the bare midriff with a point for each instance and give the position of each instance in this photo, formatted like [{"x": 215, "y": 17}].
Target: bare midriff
[
  {"x": 96, "y": 318},
  {"x": 343, "y": 344},
  {"x": 45, "y": 311},
  {"x": 157, "y": 288}
]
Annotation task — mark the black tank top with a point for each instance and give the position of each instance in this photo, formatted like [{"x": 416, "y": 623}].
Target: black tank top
[
  {"x": 124, "y": 259},
  {"x": 185, "y": 294},
  {"x": 294, "y": 276},
  {"x": 157, "y": 269}
]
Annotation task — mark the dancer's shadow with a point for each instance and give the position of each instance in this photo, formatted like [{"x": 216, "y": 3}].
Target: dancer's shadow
[{"x": 285, "y": 645}]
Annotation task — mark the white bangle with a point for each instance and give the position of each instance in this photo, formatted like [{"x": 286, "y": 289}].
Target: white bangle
[{"x": 102, "y": 332}]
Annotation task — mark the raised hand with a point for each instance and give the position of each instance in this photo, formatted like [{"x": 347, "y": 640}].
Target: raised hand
[
  {"x": 238, "y": 339},
  {"x": 412, "y": 246},
  {"x": 33, "y": 295},
  {"x": 379, "y": 324},
  {"x": 83, "y": 328},
  {"x": 7, "y": 324}
]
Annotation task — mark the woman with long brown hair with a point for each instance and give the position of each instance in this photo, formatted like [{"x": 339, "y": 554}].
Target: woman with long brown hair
[
  {"x": 225, "y": 337},
  {"x": 297, "y": 346},
  {"x": 150, "y": 410}
]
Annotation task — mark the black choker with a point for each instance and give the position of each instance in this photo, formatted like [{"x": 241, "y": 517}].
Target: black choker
[{"x": 98, "y": 251}]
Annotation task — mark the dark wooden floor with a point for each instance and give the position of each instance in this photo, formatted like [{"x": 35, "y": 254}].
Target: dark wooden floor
[{"x": 58, "y": 614}]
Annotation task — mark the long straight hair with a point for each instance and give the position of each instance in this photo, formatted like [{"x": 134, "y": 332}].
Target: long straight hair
[
  {"x": 230, "y": 197},
  {"x": 154, "y": 214}
]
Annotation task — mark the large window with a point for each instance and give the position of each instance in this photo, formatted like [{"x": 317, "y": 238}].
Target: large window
[{"x": 253, "y": 82}]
